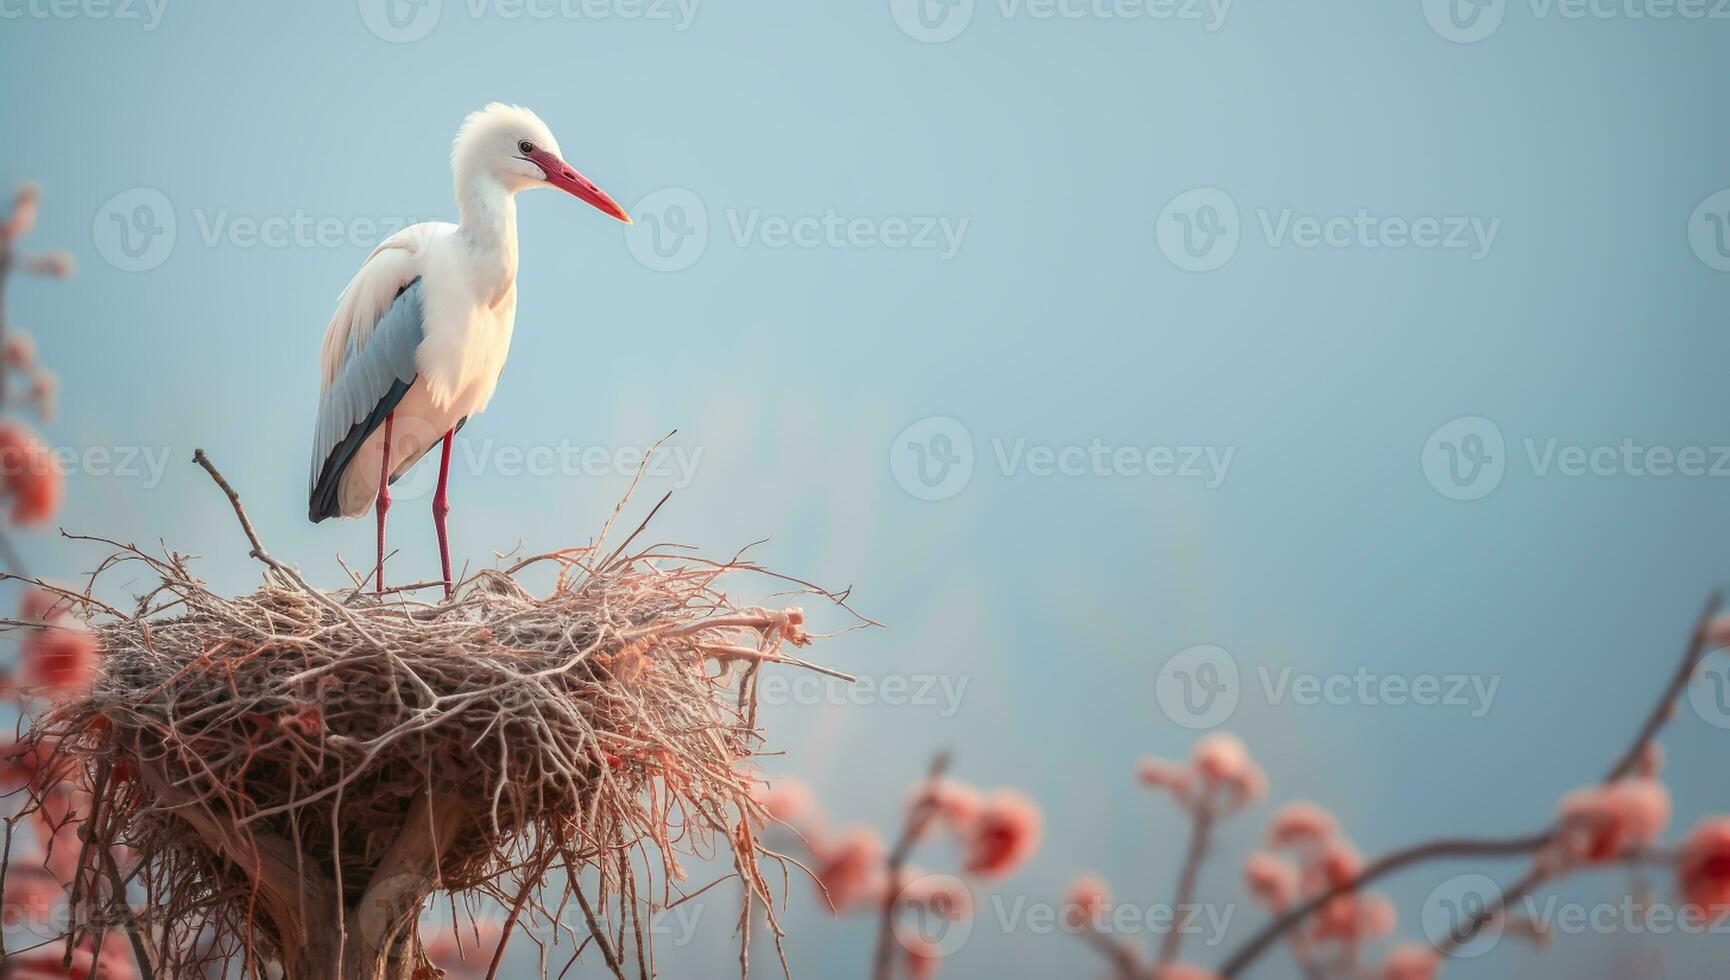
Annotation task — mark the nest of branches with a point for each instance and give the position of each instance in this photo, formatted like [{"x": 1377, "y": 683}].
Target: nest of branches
[{"x": 288, "y": 775}]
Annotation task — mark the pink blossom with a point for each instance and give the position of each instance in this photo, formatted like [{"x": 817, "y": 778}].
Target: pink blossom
[
  {"x": 958, "y": 804},
  {"x": 29, "y": 475},
  {"x": 24, "y": 764},
  {"x": 851, "y": 869},
  {"x": 1411, "y": 961},
  {"x": 19, "y": 350},
  {"x": 23, "y": 216},
  {"x": 1183, "y": 971},
  {"x": 1249, "y": 787},
  {"x": 1703, "y": 872},
  {"x": 60, "y": 660},
  {"x": 1600, "y": 823},
  {"x": 43, "y": 606},
  {"x": 788, "y": 799},
  {"x": 1335, "y": 865},
  {"x": 47, "y": 963},
  {"x": 61, "y": 810},
  {"x": 55, "y": 265},
  {"x": 464, "y": 951},
  {"x": 1354, "y": 919},
  {"x": 1377, "y": 915},
  {"x": 1004, "y": 835},
  {"x": 923, "y": 957},
  {"x": 1087, "y": 899},
  {"x": 62, "y": 859},
  {"x": 1221, "y": 758},
  {"x": 1718, "y": 632},
  {"x": 1302, "y": 824},
  {"x": 31, "y": 896},
  {"x": 1163, "y": 773},
  {"x": 942, "y": 895},
  {"x": 1271, "y": 879},
  {"x": 45, "y": 394}
]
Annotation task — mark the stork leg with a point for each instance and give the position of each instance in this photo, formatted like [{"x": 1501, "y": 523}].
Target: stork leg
[
  {"x": 383, "y": 504},
  {"x": 441, "y": 509}
]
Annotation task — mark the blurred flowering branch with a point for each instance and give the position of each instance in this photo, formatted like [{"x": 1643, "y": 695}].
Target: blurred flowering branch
[
  {"x": 18, "y": 347},
  {"x": 29, "y": 475},
  {"x": 996, "y": 833},
  {"x": 1314, "y": 884},
  {"x": 919, "y": 816}
]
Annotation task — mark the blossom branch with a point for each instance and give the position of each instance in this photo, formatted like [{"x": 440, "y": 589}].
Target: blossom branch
[
  {"x": 918, "y": 818},
  {"x": 1201, "y": 831},
  {"x": 1659, "y": 716},
  {"x": 1417, "y": 854},
  {"x": 1698, "y": 646}
]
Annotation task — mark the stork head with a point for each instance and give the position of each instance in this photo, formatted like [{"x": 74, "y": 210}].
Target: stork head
[{"x": 510, "y": 145}]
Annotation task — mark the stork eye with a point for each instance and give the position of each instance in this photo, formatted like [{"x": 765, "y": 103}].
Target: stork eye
[{"x": 525, "y": 147}]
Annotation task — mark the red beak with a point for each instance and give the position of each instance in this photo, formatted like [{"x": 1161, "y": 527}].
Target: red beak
[{"x": 561, "y": 175}]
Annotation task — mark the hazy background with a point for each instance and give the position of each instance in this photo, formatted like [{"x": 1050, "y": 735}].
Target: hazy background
[{"x": 1065, "y": 314}]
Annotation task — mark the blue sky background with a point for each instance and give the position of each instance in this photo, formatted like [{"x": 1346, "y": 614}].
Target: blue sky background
[{"x": 1063, "y": 318}]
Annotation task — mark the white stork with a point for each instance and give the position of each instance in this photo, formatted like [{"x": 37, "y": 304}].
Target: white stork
[{"x": 420, "y": 334}]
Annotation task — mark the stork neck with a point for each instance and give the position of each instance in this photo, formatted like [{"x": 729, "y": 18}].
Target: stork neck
[{"x": 488, "y": 222}]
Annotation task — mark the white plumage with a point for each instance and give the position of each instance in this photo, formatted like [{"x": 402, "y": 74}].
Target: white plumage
[{"x": 450, "y": 352}]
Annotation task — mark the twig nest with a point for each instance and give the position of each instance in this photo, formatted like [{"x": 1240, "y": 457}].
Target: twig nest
[{"x": 565, "y": 730}]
